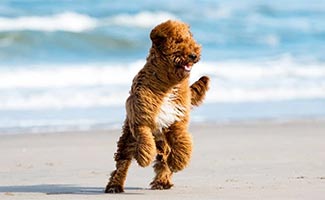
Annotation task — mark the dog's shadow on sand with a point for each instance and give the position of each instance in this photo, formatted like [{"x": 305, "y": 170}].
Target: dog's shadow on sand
[{"x": 57, "y": 189}]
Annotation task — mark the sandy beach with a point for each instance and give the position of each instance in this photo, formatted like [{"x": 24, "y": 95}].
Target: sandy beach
[{"x": 260, "y": 160}]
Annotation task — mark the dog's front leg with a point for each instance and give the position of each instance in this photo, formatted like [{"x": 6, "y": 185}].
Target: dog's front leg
[
  {"x": 198, "y": 90},
  {"x": 180, "y": 142},
  {"x": 145, "y": 145}
]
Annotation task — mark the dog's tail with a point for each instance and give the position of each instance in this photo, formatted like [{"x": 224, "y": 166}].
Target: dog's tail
[{"x": 198, "y": 90}]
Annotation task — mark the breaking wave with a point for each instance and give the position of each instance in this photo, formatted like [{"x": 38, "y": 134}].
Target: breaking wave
[
  {"x": 76, "y": 22},
  {"x": 108, "y": 84}
]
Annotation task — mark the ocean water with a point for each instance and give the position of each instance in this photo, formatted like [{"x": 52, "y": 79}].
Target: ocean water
[{"x": 67, "y": 65}]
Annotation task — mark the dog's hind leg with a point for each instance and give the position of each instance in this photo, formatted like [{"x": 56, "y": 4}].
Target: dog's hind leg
[
  {"x": 123, "y": 156},
  {"x": 163, "y": 176},
  {"x": 198, "y": 90}
]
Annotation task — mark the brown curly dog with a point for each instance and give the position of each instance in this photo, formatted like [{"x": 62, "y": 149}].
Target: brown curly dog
[{"x": 158, "y": 108}]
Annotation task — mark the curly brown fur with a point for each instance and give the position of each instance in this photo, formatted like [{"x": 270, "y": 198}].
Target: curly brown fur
[{"x": 158, "y": 108}]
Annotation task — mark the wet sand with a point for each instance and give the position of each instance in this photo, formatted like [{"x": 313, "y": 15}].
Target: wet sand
[{"x": 257, "y": 160}]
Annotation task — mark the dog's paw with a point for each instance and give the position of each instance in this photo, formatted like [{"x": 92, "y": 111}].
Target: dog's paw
[
  {"x": 178, "y": 159},
  {"x": 178, "y": 162},
  {"x": 204, "y": 83},
  {"x": 181, "y": 151},
  {"x": 145, "y": 151},
  {"x": 199, "y": 89},
  {"x": 205, "y": 80},
  {"x": 114, "y": 189},
  {"x": 160, "y": 185}
]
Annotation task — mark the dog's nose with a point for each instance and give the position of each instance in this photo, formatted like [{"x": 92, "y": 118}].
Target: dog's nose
[{"x": 192, "y": 56}]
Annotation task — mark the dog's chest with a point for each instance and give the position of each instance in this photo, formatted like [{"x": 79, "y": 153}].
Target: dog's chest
[{"x": 170, "y": 111}]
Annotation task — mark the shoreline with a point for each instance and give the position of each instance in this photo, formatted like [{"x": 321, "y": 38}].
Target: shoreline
[
  {"x": 62, "y": 129},
  {"x": 260, "y": 160},
  {"x": 111, "y": 118}
]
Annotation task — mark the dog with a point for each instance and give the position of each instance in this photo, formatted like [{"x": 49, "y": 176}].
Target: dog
[{"x": 158, "y": 108}]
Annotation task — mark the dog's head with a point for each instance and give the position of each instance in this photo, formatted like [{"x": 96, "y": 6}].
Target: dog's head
[{"x": 176, "y": 45}]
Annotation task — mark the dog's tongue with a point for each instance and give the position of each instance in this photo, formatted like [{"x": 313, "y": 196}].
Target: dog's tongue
[{"x": 188, "y": 67}]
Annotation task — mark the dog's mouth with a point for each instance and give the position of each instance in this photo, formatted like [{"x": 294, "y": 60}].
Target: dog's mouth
[
  {"x": 187, "y": 67},
  {"x": 184, "y": 70}
]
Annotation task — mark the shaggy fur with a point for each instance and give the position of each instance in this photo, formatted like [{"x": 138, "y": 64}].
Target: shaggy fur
[{"x": 158, "y": 108}]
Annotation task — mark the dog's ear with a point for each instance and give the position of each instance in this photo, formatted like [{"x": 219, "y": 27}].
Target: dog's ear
[{"x": 158, "y": 37}]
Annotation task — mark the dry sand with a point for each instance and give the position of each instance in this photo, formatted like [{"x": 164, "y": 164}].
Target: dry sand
[{"x": 262, "y": 160}]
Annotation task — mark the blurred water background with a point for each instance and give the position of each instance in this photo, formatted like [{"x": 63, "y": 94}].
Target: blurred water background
[{"x": 68, "y": 65}]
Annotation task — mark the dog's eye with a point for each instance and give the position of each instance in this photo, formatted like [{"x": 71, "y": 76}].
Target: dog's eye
[{"x": 179, "y": 40}]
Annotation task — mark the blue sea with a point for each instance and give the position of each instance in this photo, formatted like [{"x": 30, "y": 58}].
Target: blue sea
[{"x": 68, "y": 65}]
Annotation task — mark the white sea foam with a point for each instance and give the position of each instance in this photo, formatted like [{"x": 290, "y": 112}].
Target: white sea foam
[
  {"x": 67, "y": 21},
  {"x": 108, "y": 84},
  {"x": 279, "y": 80},
  {"x": 143, "y": 19},
  {"x": 57, "y": 99},
  {"x": 68, "y": 75},
  {"x": 76, "y": 22}
]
